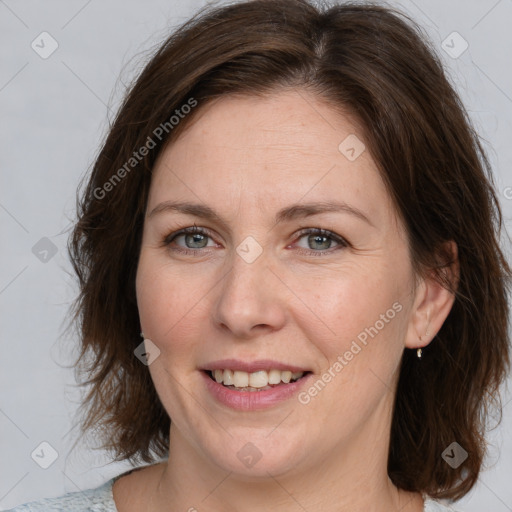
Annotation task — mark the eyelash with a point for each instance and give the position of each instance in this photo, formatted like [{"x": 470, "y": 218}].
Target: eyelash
[{"x": 307, "y": 231}]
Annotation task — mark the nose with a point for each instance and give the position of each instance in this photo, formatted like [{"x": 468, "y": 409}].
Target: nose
[{"x": 250, "y": 300}]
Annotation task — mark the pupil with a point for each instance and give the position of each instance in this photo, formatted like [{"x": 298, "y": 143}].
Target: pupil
[
  {"x": 320, "y": 238},
  {"x": 196, "y": 238}
]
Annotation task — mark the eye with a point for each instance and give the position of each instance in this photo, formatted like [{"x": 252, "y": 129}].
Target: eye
[
  {"x": 319, "y": 241},
  {"x": 195, "y": 238}
]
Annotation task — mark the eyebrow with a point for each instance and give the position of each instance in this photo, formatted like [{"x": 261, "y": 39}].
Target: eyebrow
[{"x": 294, "y": 211}]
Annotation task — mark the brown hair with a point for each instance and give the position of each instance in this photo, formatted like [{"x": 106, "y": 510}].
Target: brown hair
[{"x": 376, "y": 64}]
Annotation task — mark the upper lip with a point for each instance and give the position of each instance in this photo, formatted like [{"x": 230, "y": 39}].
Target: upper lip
[{"x": 251, "y": 366}]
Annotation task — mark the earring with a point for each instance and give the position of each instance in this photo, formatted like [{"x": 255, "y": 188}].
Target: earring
[
  {"x": 142, "y": 335},
  {"x": 418, "y": 351}
]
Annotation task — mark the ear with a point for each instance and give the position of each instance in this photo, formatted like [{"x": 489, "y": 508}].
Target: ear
[{"x": 433, "y": 301}]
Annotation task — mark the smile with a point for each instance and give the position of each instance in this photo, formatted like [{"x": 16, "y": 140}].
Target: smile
[
  {"x": 253, "y": 391},
  {"x": 255, "y": 381}
]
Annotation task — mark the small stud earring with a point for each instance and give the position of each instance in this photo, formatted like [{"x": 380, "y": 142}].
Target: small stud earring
[
  {"x": 418, "y": 351},
  {"x": 142, "y": 335}
]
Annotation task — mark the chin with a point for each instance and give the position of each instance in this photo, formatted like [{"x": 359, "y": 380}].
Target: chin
[{"x": 255, "y": 455}]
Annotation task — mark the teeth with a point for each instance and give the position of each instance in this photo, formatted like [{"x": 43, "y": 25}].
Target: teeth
[
  {"x": 241, "y": 379},
  {"x": 274, "y": 376},
  {"x": 286, "y": 376},
  {"x": 227, "y": 377},
  {"x": 259, "y": 379}
]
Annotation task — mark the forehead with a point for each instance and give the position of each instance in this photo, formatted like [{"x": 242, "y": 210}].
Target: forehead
[
  {"x": 267, "y": 152},
  {"x": 288, "y": 123}
]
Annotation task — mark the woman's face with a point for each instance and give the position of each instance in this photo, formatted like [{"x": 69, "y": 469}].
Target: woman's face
[{"x": 262, "y": 284}]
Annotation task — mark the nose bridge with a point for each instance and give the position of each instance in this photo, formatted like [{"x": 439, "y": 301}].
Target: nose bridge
[{"x": 248, "y": 296}]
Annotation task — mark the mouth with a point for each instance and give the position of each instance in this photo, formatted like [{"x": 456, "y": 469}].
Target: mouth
[{"x": 261, "y": 380}]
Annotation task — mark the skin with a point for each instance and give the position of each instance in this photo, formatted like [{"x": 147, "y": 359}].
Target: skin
[{"x": 248, "y": 157}]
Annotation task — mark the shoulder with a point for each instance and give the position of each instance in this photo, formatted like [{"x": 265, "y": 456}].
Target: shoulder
[
  {"x": 436, "y": 506},
  {"x": 99, "y": 499}
]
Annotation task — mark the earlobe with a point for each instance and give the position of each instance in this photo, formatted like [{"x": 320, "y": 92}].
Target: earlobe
[{"x": 434, "y": 301}]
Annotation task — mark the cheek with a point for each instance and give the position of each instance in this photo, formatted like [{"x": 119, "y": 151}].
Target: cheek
[
  {"x": 170, "y": 303},
  {"x": 362, "y": 354},
  {"x": 360, "y": 319}
]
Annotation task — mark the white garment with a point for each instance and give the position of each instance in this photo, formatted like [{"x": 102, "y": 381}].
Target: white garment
[{"x": 435, "y": 506}]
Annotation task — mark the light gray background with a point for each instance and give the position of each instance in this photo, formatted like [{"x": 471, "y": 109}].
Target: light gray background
[{"x": 54, "y": 115}]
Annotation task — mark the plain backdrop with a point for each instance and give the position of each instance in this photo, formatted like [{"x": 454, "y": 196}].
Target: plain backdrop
[{"x": 54, "y": 114}]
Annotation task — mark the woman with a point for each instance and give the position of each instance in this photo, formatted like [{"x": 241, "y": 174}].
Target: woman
[{"x": 295, "y": 213}]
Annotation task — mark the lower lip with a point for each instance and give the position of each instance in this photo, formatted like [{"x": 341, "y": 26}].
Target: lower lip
[{"x": 253, "y": 400}]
